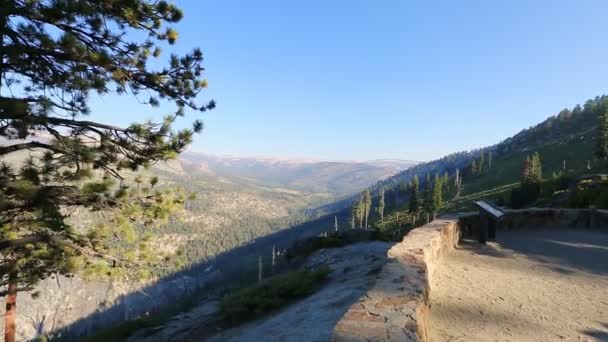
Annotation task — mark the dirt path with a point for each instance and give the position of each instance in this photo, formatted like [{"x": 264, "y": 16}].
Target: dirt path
[{"x": 528, "y": 286}]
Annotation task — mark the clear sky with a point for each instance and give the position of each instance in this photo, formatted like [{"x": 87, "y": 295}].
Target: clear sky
[{"x": 377, "y": 79}]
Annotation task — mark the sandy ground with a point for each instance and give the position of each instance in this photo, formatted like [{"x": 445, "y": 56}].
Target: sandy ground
[{"x": 527, "y": 286}]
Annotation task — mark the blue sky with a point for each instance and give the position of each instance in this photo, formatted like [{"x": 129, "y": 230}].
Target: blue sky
[{"x": 359, "y": 80}]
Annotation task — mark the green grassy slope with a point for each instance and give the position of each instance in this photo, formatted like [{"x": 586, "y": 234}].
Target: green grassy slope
[
  {"x": 496, "y": 184},
  {"x": 568, "y": 136}
]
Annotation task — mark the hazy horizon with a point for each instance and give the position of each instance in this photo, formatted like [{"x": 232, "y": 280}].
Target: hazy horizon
[{"x": 298, "y": 159}]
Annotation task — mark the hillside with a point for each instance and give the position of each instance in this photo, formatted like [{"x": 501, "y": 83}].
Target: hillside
[
  {"x": 238, "y": 199},
  {"x": 567, "y": 138},
  {"x": 241, "y": 199},
  {"x": 235, "y": 214}
]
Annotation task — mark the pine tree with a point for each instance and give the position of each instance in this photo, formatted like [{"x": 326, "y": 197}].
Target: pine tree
[
  {"x": 357, "y": 216},
  {"x": 414, "y": 197},
  {"x": 381, "y": 205},
  {"x": 446, "y": 181},
  {"x": 437, "y": 202},
  {"x": 537, "y": 168},
  {"x": 402, "y": 192},
  {"x": 53, "y": 56},
  {"x": 489, "y": 160},
  {"x": 527, "y": 173},
  {"x": 531, "y": 179},
  {"x": 474, "y": 167},
  {"x": 601, "y": 149},
  {"x": 427, "y": 203},
  {"x": 367, "y": 205}
]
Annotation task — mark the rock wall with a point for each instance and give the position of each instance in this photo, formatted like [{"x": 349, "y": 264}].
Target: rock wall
[
  {"x": 396, "y": 307},
  {"x": 555, "y": 218}
]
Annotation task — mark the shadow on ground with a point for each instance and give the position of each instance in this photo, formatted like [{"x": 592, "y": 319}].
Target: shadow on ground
[
  {"x": 598, "y": 334},
  {"x": 529, "y": 285},
  {"x": 477, "y": 248},
  {"x": 565, "y": 252},
  {"x": 237, "y": 267}
]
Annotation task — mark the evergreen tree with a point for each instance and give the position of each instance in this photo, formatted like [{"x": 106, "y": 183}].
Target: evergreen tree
[
  {"x": 53, "y": 56},
  {"x": 490, "y": 160},
  {"x": 414, "y": 197},
  {"x": 474, "y": 167},
  {"x": 601, "y": 149},
  {"x": 381, "y": 204},
  {"x": 531, "y": 178},
  {"x": 527, "y": 170},
  {"x": 437, "y": 202},
  {"x": 537, "y": 168},
  {"x": 402, "y": 191},
  {"x": 427, "y": 203},
  {"x": 358, "y": 213},
  {"x": 367, "y": 205}
]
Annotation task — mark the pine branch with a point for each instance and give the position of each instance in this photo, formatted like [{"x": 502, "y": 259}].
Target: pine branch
[
  {"x": 61, "y": 241},
  {"x": 27, "y": 146}
]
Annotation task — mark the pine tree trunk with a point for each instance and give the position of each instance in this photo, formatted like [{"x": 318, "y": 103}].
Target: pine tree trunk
[
  {"x": 3, "y": 22},
  {"x": 11, "y": 309}
]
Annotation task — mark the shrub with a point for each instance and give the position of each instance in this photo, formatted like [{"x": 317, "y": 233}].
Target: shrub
[
  {"x": 271, "y": 294},
  {"x": 588, "y": 194},
  {"x": 124, "y": 330},
  {"x": 307, "y": 247},
  {"x": 525, "y": 195},
  {"x": 562, "y": 182}
]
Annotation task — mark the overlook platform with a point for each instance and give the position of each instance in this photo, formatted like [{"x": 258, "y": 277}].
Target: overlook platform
[{"x": 529, "y": 285}]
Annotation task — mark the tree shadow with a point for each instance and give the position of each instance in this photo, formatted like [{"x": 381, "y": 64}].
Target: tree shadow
[
  {"x": 601, "y": 335},
  {"x": 232, "y": 266},
  {"x": 313, "y": 318},
  {"x": 475, "y": 247},
  {"x": 563, "y": 250}
]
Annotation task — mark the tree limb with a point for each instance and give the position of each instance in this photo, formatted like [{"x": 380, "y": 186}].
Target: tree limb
[
  {"x": 60, "y": 241},
  {"x": 26, "y": 146}
]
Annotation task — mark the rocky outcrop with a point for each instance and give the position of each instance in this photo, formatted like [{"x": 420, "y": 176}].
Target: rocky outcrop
[
  {"x": 395, "y": 308},
  {"x": 354, "y": 270},
  {"x": 74, "y": 307}
]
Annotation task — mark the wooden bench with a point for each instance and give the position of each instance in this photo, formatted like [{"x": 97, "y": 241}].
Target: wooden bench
[{"x": 489, "y": 219}]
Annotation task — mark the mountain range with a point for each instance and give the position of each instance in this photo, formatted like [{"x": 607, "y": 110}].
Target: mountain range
[{"x": 335, "y": 178}]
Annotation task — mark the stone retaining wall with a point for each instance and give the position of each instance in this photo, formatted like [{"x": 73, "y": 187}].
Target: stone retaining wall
[
  {"x": 555, "y": 218},
  {"x": 395, "y": 308}
]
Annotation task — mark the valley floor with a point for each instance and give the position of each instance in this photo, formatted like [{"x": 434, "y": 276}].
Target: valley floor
[{"x": 528, "y": 286}]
